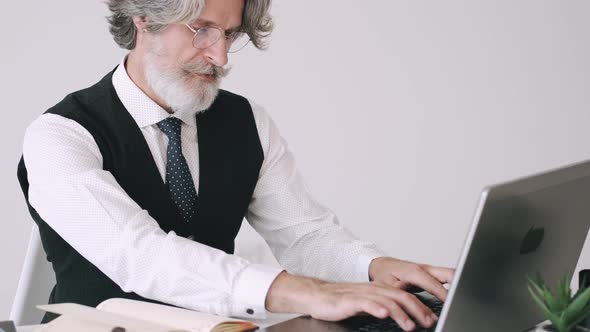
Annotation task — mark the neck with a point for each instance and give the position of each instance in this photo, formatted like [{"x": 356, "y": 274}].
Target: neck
[{"x": 134, "y": 66}]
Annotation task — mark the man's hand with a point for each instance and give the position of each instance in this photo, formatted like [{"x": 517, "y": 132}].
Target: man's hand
[
  {"x": 337, "y": 301},
  {"x": 401, "y": 274}
]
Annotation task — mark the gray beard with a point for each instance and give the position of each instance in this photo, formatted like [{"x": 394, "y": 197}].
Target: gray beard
[{"x": 178, "y": 89}]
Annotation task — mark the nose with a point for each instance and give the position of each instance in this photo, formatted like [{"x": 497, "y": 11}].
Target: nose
[{"x": 217, "y": 53}]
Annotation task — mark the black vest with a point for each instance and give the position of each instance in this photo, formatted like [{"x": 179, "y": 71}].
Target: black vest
[{"x": 230, "y": 156}]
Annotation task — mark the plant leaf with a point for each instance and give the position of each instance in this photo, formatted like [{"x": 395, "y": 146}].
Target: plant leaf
[
  {"x": 535, "y": 285},
  {"x": 548, "y": 314},
  {"x": 563, "y": 294},
  {"x": 578, "y": 305},
  {"x": 544, "y": 293},
  {"x": 551, "y": 301},
  {"x": 580, "y": 318}
]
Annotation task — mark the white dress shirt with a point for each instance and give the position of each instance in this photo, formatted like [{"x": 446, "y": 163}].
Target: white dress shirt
[{"x": 87, "y": 207}]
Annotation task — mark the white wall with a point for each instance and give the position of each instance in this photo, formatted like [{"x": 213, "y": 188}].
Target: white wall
[{"x": 398, "y": 112}]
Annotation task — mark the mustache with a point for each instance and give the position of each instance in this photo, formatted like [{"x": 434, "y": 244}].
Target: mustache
[{"x": 205, "y": 68}]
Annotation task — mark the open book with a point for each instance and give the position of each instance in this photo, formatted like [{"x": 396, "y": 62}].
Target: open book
[{"x": 123, "y": 315}]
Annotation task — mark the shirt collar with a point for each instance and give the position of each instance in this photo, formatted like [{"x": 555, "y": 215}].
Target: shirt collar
[{"x": 142, "y": 108}]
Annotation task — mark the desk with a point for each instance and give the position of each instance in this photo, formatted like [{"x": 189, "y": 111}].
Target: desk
[
  {"x": 262, "y": 323},
  {"x": 270, "y": 320}
]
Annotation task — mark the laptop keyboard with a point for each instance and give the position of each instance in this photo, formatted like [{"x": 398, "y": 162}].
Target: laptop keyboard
[{"x": 374, "y": 324}]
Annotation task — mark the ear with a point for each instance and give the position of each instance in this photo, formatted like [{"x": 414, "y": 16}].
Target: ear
[{"x": 139, "y": 22}]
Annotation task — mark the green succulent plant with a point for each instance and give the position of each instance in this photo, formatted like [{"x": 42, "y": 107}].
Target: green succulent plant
[{"x": 563, "y": 310}]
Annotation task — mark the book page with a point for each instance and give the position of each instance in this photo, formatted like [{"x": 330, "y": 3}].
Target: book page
[
  {"x": 73, "y": 323},
  {"x": 182, "y": 319},
  {"x": 91, "y": 318}
]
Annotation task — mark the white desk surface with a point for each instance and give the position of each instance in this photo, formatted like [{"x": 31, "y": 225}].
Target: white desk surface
[{"x": 262, "y": 323}]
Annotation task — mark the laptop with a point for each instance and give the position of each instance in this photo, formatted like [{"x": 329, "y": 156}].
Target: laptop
[
  {"x": 7, "y": 326},
  {"x": 537, "y": 224}
]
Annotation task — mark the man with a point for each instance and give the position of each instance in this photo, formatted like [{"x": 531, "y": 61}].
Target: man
[{"x": 139, "y": 185}]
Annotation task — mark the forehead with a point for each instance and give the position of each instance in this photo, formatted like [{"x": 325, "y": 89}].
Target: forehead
[{"x": 223, "y": 13}]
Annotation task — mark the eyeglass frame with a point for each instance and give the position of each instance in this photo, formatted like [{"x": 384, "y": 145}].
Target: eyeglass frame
[{"x": 223, "y": 33}]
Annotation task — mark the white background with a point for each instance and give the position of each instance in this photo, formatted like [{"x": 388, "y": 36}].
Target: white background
[{"x": 398, "y": 112}]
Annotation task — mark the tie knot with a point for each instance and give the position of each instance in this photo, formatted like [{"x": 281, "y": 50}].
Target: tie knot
[{"x": 171, "y": 127}]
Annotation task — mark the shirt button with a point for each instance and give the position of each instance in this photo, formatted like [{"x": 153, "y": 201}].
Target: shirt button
[
  {"x": 250, "y": 311},
  {"x": 191, "y": 237}
]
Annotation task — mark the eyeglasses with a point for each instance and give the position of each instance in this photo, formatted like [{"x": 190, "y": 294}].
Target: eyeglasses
[{"x": 207, "y": 36}]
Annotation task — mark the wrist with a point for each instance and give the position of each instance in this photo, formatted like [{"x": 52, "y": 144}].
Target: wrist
[
  {"x": 374, "y": 267},
  {"x": 292, "y": 294}
]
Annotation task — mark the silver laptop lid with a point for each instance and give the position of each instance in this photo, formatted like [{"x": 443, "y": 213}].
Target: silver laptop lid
[{"x": 535, "y": 224}]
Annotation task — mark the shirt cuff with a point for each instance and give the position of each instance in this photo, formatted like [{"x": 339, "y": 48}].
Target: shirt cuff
[
  {"x": 363, "y": 262},
  {"x": 250, "y": 289}
]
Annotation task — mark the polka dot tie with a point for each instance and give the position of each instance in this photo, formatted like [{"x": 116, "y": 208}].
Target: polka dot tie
[{"x": 178, "y": 176}]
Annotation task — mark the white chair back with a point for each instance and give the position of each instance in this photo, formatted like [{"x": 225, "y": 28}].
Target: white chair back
[{"x": 36, "y": 281}]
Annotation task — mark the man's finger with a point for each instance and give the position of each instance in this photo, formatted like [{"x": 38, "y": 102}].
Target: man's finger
[
  {"x": 373, "y": 308},
  {"x": 401, "y": 318},
  {"x": 402, "y": 285},
  {"x": 391, "y": 281},
  {"x": 408, "y": 302},
  {"x": 395, "y": 311},
  {"x": 394, "y": 282},
  {"x": 426, "y": 281},
  {"x": 417, "y": 309},
  {"x": 443, "y": 274}
]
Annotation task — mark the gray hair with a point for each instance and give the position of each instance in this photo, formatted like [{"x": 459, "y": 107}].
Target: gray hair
[{"x": 256, "y": 20}]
